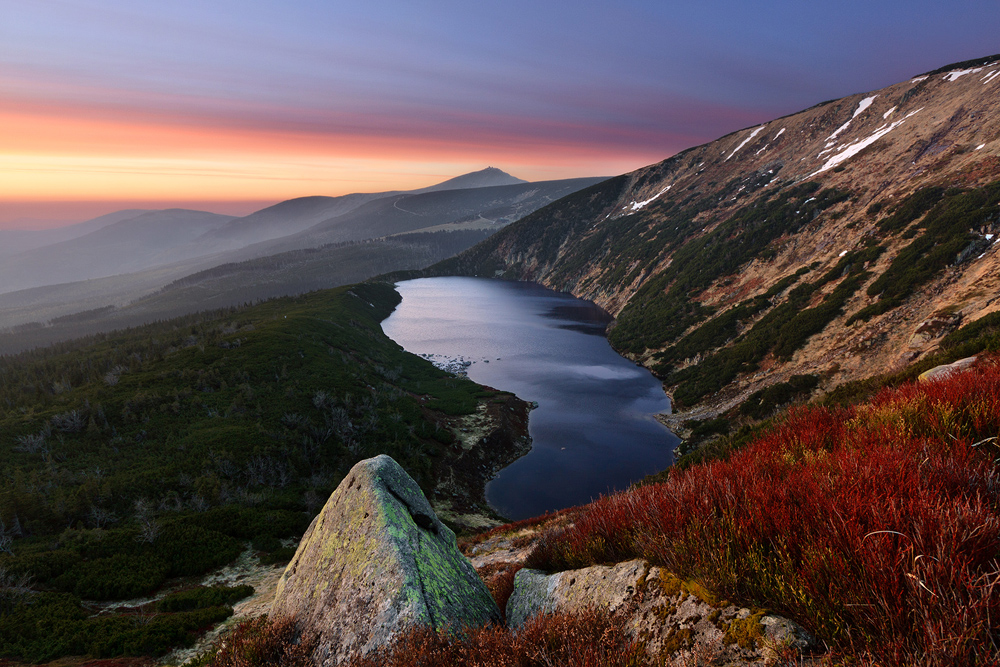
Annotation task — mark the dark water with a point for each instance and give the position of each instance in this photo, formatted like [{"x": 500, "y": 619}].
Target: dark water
[{"x": 593, "y": 430}]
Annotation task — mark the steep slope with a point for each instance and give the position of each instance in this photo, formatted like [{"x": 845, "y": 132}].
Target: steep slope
[
  {"x": 141, "y": 242},
  {"x": 841, "y": 241}
]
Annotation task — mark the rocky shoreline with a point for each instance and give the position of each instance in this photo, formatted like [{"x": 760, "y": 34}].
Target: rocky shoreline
[{"x": 486, "y": 442}]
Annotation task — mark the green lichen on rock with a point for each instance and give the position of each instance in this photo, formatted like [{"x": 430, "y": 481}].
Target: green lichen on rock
[
  {"x": 675, "y": 620},
  {"x": 375, "y": 562},
  {"x": 745, "y": 632}
]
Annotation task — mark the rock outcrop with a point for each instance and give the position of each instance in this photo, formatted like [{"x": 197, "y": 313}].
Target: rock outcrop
[
  {"x": 674, "y": 619},
  {"x": 376, "y": 562}
]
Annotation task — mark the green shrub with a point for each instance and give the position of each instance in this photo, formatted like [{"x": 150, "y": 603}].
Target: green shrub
[
  {"x": 203, "y": 597},
  {"x": 266, "y": 543},
  {"x": 54, "y": 625},
  {"x": 117, "y": 577},
  {"x": 282, "y": 555},
  {"x": 941, "y": 239},
  {"x": 764, "y": 402}
]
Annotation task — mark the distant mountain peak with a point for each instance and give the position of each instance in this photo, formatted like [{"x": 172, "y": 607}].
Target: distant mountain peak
[{"x": 484, "y": 178}]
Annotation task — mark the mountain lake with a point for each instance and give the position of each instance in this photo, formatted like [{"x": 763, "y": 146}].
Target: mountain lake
[{"x": 594, "y": 429}]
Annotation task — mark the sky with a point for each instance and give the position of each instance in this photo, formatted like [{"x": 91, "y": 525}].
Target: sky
[{"x": 231, "y": 105}]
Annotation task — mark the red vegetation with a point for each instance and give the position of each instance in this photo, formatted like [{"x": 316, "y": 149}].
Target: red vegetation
[
  {"x": 499, "y": 580},
  {"x": 590, "y": 639},
  {"x": 878, "y": 526},
  {"x": 261, "y": 642},
  {"x": 545, "y": 521}
]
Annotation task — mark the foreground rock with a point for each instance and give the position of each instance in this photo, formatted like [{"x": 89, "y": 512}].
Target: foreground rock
[
  {"x": 375, "y": 563},
  {"x": 675, "y": 620}
]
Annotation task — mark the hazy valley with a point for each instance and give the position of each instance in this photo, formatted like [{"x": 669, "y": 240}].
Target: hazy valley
[{"x": 161, "y": 264}]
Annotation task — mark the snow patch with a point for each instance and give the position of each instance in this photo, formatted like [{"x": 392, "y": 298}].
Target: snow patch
[
  {"x": 989, "y": 77},
  {"x": 853, "y": 149},
  {"x": 839, "y": 130},
  {"x": 888, "y": 113},
  {"x": 637, "y": 205},
  {"x": 862, "y": 105},
  {"x": 980, "y": 146},
  {"x": 989, "y": 237},
  {"x": 842, "y": 254},
  {"x": 766, "y": 146},
  {"x": 918, "y": 79},
  {"x": 743, "y": 143},
  {"x": 957, "y": 74},
  {"x": 782, "y": 131}
]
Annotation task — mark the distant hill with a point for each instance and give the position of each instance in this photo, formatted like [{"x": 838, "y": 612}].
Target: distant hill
[
  {"x": 392, "y": 233},
  {"x": 295, "y": 215},
  {"x": 148, "y": 239},
  {"x": 284, "y": 218},
  {"x": 491, "y": 207},
  {"x": 484, "y": 178},
  {"x": 14, "y": 241},
  {"x": 140, "y": 240}
]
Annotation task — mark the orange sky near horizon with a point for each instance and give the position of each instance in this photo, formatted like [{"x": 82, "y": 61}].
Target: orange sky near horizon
[
  {"x": 53, "y": 162},
  {"x": 229, "y": 106}
]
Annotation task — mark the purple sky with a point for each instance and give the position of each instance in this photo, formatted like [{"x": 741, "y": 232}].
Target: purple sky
[{"x": 346, "y": 96}]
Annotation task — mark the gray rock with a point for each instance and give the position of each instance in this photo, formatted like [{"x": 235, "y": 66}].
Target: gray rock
[
  {"x": 377, "y": 562},
  {"x": 606, "y": 587},
  {"x": 674, "y": 623},
  {"x": 946, "y": 370},
  {"x": 782, "y": 632}
]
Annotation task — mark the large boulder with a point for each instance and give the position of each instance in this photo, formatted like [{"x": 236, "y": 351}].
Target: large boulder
[
  {"x": 675, "y": 620},
  {"x": 377, "y": 562}
]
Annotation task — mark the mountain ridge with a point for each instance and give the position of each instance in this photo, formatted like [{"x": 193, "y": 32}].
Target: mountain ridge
[{"x": 690, "y": 249}]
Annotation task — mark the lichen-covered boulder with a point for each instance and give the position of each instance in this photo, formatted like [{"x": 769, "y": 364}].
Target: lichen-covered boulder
[
  {"x": 376, "y": 562},
  {"x": 606, "y": 587},
  {"x": 675, "y": 620}
]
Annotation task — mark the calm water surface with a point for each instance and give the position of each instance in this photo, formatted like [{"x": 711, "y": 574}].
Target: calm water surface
[{"x": 593, "y": 430}]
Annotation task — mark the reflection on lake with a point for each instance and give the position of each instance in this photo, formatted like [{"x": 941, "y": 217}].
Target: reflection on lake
[{"x": 593, "y": 430}]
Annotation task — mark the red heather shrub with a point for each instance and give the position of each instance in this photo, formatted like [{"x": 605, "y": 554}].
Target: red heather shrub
[
  {"x": 590, "y": 639},
  {"x": 499, "y": 580},
  {"x": 877, "y": 526},
  {"x": 261, "y": 642}
]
